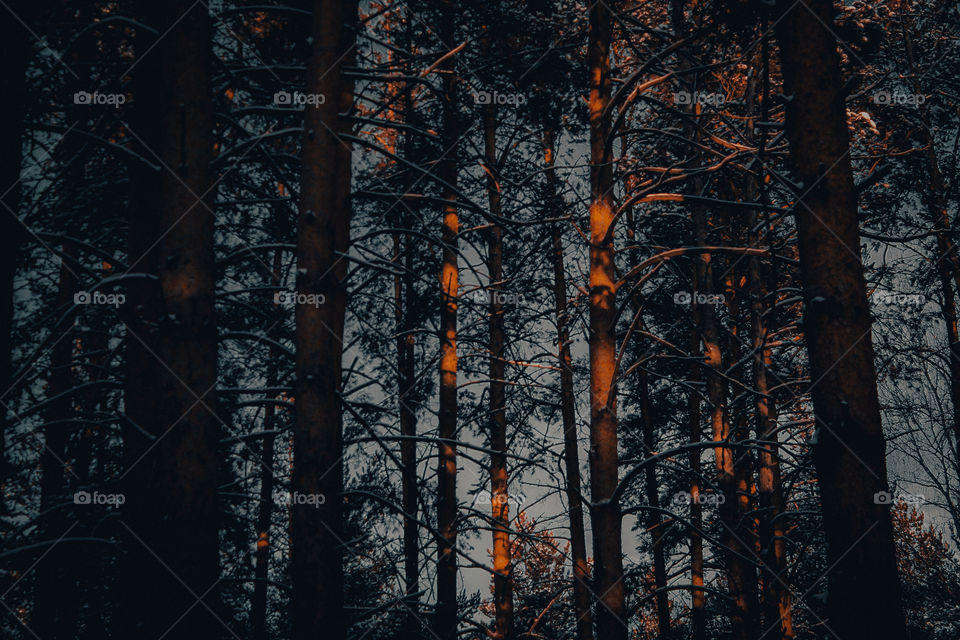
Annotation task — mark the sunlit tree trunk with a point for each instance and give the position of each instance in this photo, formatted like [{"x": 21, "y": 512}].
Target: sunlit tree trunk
[
  {"x": 735, "y": 551},
  {"x": 323, "y": 237},
  {"x": 605, "y": 511},
  {"x": 848, "y": 447},
  {"x": 698, "y": 619},
  {"x": 446, "y": 618},
  {"x": 502, "y": 581},
  {"x": 571, "y": 455},
  {"x": 170, "y": 524},
  {"x": 777, "y": 599}
]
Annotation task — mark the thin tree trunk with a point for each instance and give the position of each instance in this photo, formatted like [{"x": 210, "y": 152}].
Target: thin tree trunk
[
  {"x": 261, "y": 570},
  {"x": 849, "y": 448},
  {"x": 55, "y": 571},
  {"x": 171, "y": 518},
  {"x": 446, "y": 618},
  {"x": 406, "y": 380},
  {"x": 654, "y": 520},
  {"x": 738, "y": 570},
  {"x": 14, "y": 50},
  {"x": 571, "y": 455},
  {"x": 604, "y": 472},
  {"x": 502, "y": 580},
  {"x": 323, "y": 236},
  {"x": 698, "y": 619}
]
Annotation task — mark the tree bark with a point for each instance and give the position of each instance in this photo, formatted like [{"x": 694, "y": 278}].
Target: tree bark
[
  {"x": 604, "y": 472},
  {"x": 14, "y": 49},
  {"x": 849, "y": 448},
  {"x": 323, "y": 236},
  {"x": 261, "y": 570},
  {"x": 500, "y": 506},
  {"x": 571, "y": 455},
  {"x": 446, "y": 618},
  {"x": 171, "y": 513}
]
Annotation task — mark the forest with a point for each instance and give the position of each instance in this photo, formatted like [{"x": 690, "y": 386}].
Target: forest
[{"x": 479, "y": 320}]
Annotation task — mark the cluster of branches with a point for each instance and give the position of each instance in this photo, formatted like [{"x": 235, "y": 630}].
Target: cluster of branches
[{"x": 509, "y": 319}]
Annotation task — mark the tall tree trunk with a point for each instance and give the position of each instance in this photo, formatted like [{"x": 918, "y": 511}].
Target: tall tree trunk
[
  {"x": 849, "y": 448},
  {"x": 261, "y": 570},
  {"x": 698, "y": 618},
  {"x": 55, "y": 571},
  {"x": 14, "y": 49},
  {"x": 446, "y": 619},
  {"x": 406, "y": 381},
  {"x": 500, "y": 507},
  {"x": 654, "y": 520},
  {"x": 604, "y": 472},
  {"x": 571, "y": 455},
  {"x": 323, "y": 236},
  {"x": 777, "y": 599},
  {"x": 738, "y": 570},
  {"x": 171, "y": 521}
]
